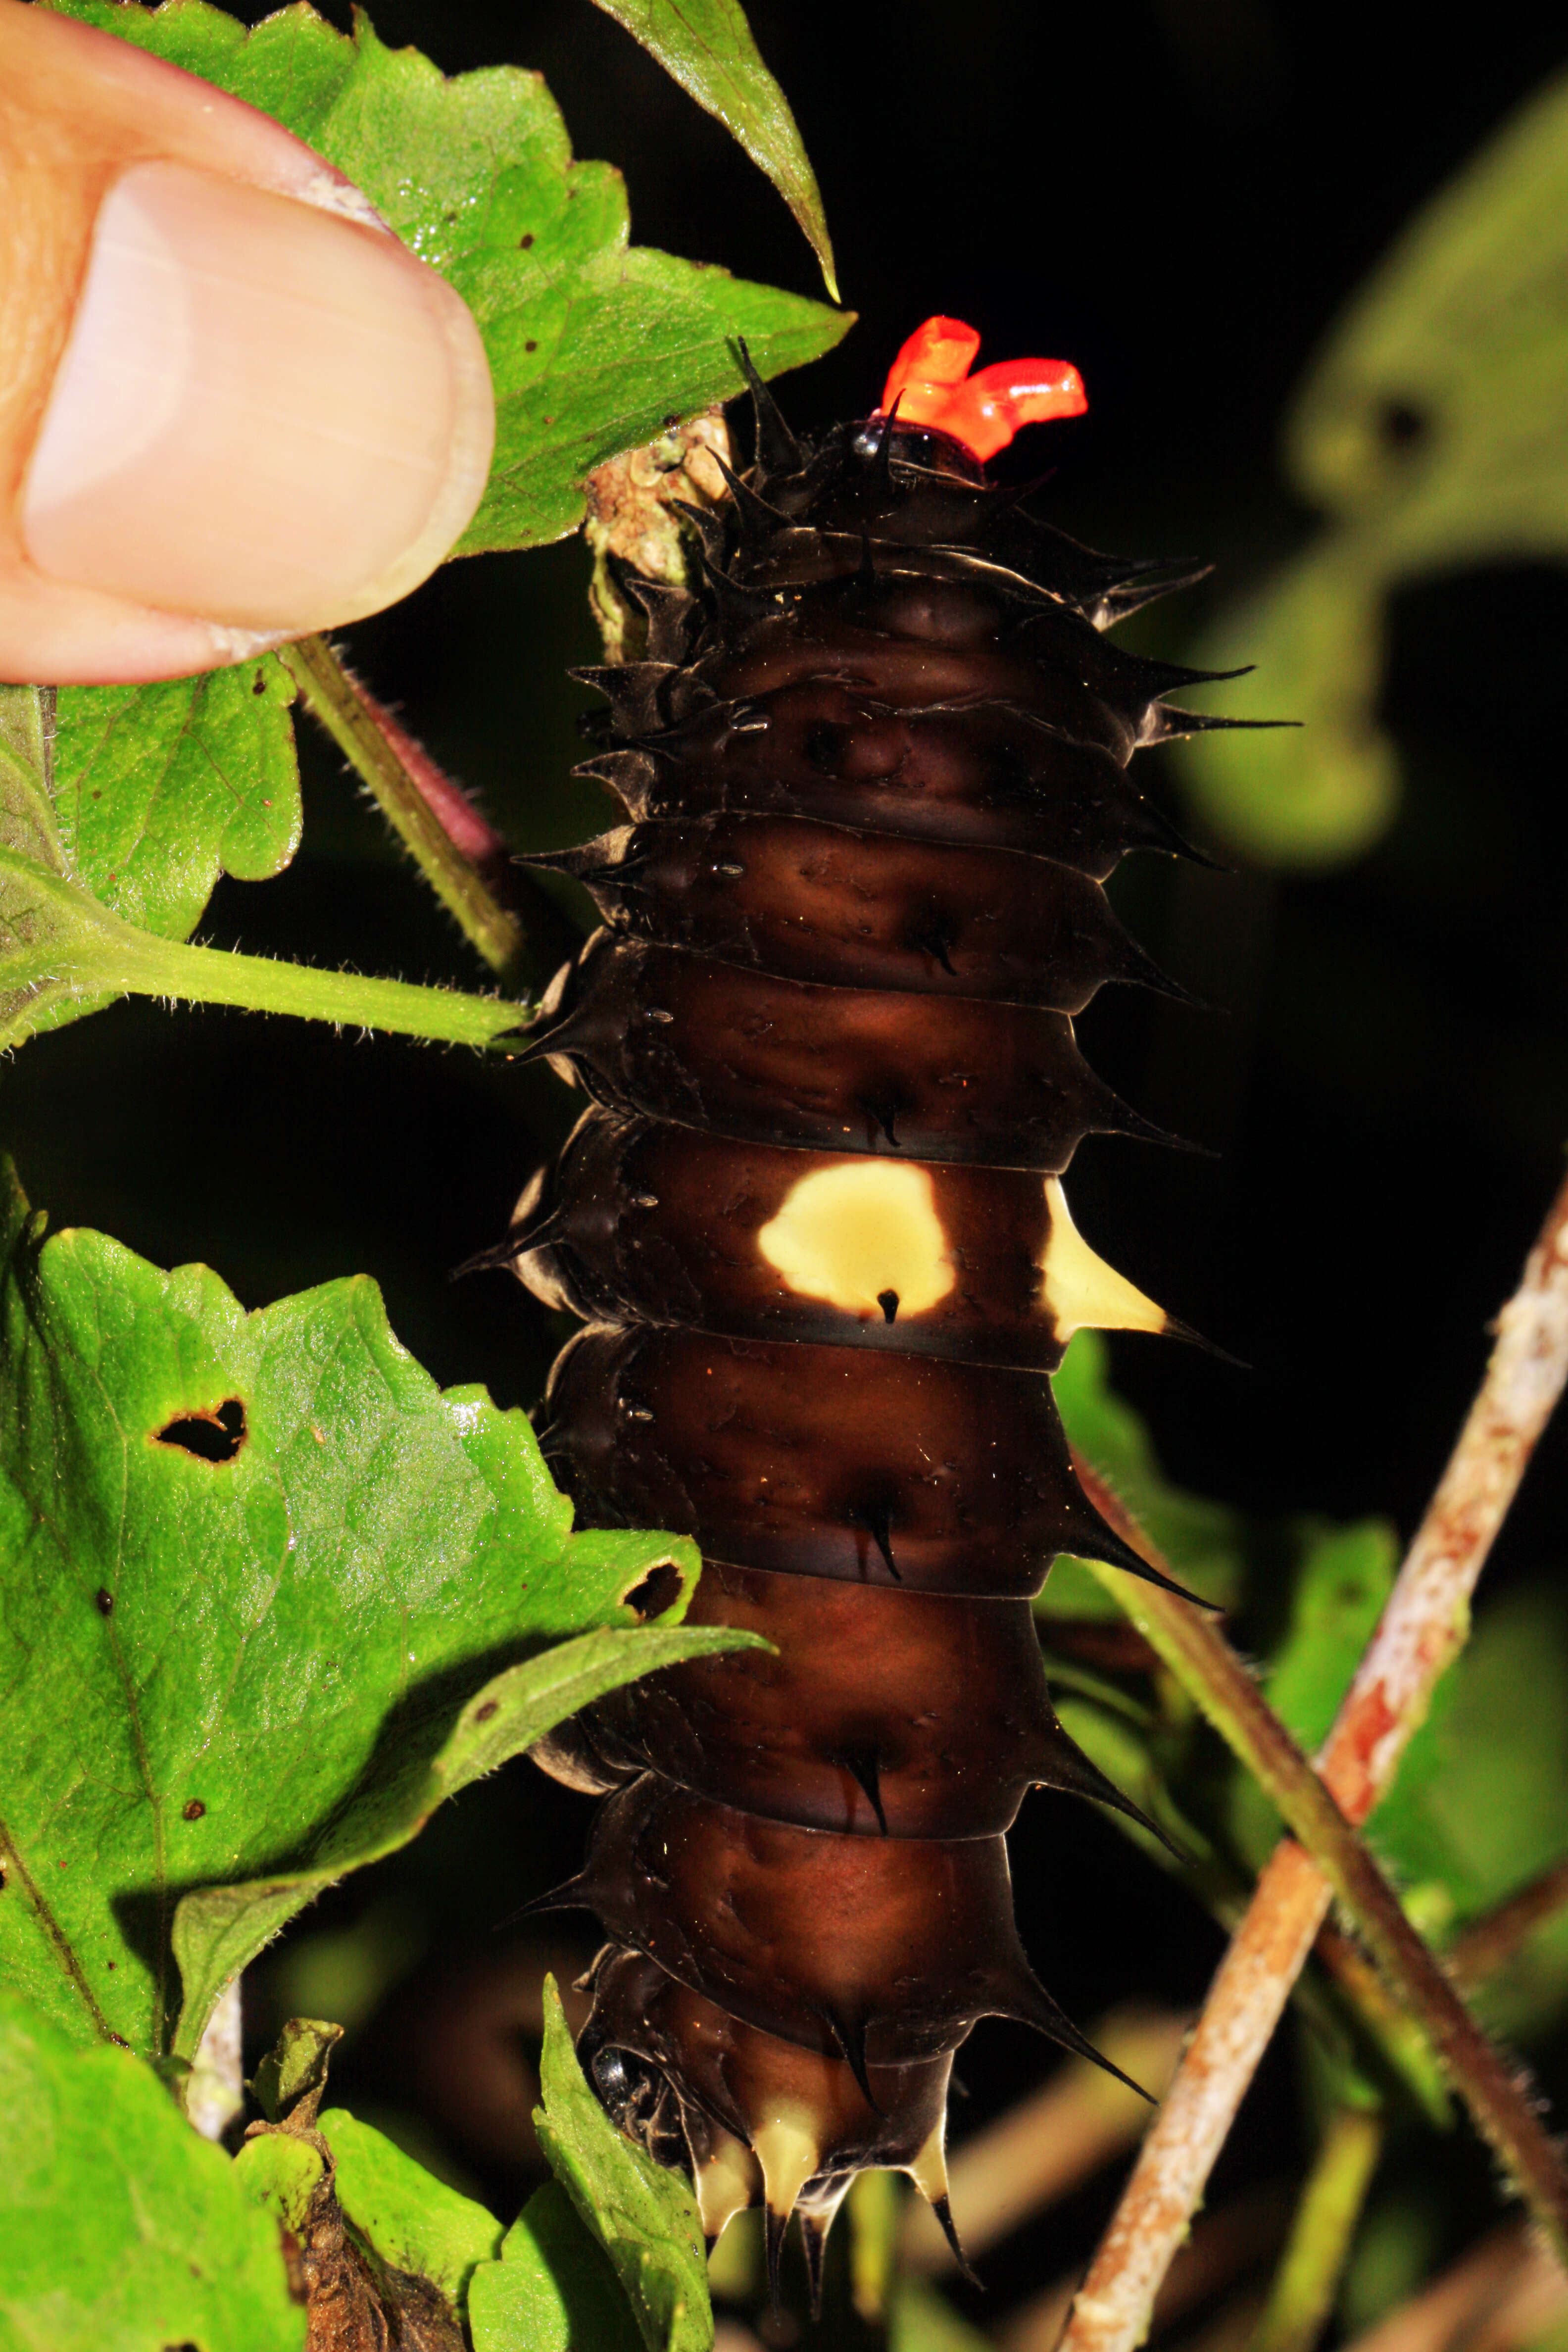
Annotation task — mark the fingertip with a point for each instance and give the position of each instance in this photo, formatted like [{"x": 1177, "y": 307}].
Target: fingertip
[
  {"x": 173, "y": 494},
  {"x": 267, "y": 415}
]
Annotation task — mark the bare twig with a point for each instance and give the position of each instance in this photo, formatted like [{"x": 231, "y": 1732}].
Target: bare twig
[
  {"x": 1497, "y": 1935},
  {"x": 1289, "y": 1908},
  {"x": 1420, "y": 1631},
  {"x": 1400, "y": 2038},
  {"x": 1223, "y": 2246}
]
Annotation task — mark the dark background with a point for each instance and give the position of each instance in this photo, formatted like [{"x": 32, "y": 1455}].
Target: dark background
[{"x": 1177, "y": 195}]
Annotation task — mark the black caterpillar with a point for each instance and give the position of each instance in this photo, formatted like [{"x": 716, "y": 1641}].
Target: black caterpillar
[{"x": 875, "y": 774}]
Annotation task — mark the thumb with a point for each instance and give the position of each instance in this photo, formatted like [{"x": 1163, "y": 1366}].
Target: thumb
[{"x": 233, "y": 407}]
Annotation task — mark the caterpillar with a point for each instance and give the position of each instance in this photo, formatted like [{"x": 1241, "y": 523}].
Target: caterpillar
[{"x": 873, "y": 769}]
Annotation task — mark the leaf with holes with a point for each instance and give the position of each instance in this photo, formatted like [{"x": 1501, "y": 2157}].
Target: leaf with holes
[
  {"x": 122, "y": 2227},
  {"x": 593, "y": 342},
  {"x": 1431, "y": 430},
  {"x": 266, "y": 1597}
]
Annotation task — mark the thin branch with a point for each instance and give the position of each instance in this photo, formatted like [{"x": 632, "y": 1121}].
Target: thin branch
[
  {"x": 1223, "y": 2246},
  {"x": 461, "y": 856},
  {"x": 1306, "y": 2285},
  {"x": 1487, "y": 1942},
  {"x": 1418, "y": 1634},
  {"x": 1341, "y": 1865},
  {"x": 1397, "y": 2034}
]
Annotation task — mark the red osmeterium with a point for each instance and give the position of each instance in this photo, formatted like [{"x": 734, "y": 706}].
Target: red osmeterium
[{"x": 931, "y": 384}]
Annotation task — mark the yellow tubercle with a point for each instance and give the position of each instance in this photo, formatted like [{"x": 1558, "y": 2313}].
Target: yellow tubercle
[
  {"x": 929, "y": 2170},
  {"x": 1079, "y": 1290},
  {"x": 727, "y": 2181},
  {"x": 789, "y": 2153}
]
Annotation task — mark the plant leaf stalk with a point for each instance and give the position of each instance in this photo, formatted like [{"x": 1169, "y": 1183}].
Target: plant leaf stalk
[
  {"x": 456, "y": 852},
  {"x": 1421, "y": 1631},
  {"x": 70, "y": 937}
]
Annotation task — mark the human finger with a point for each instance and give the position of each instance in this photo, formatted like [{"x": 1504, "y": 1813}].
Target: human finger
[{"x": 234, "y": 409}]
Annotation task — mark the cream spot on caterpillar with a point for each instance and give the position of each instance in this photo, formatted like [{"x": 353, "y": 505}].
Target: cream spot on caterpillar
[
  {"x": 727, "y": 2181},
  {"x": 789, "y": 2151},
  {"x": 929, "y": 2170},
  {"x": 1079, "y": 1291},
  {"x": 856, "y": 1233}
]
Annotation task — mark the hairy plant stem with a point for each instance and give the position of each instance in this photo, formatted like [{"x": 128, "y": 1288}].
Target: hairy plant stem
[
  {"x": 1421, "y": 1630},
  {"x": 70, "y": 937},
  {"x": 1306, "y": 2285},
  {"x": 445, "y": 835},
  {"x": 1487, "y": 1942}
]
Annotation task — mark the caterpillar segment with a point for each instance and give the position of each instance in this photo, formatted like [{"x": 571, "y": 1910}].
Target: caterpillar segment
[{"x": 873, "y": 774}]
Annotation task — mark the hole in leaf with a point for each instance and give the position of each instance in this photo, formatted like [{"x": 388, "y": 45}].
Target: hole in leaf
[
  {"x": 1401, "y": 424},
  {"x": 210, "y": 1436},
  {"x": 659, "y": 1590}
]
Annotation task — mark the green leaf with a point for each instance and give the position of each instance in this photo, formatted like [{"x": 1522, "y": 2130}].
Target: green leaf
[
  {"x": 217, "y": 1931},
  {"x": 136, "y": 798},
  {"x": 1478, "y": 1804},
  {"x": 294, "y": 2070},
  {"x": 644, "y": 2217},
  {"x": 1325, "y": 788},
  {"x": 1477, "y": 1809},
  {"x": 159, "y": 789},
  {"x": 281, "y": 2173},
  {"x": 1431, "y": 429},
  {"x": 552, "y": 2290},
  {"x": 121, "y": 2227},
  {"x": 265, "y": 1670},
  {"x": 1338, "y": 1583},
  {"x": 1344, "y": 1577},
  {"x": 414, "y": 2221},
  {"x": 119, "y": 811},
  {"x": 64, "y": 951},
  {"x": 1434, "y": 409},
  {"x": 924, "y": 2321},
  {"x": 591, "y": 342},
  {"x": 706, "y": 47}
]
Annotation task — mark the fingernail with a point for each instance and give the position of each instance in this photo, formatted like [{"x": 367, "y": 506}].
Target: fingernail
[{"x": 266, "y": 415}]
